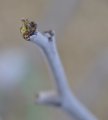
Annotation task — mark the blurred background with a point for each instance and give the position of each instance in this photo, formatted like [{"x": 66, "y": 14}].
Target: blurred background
[{"x": 82, "y": 38}]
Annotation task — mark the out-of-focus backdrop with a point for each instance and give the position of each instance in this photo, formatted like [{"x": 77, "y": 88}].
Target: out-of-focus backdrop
[{"x": 82, "y": 38}]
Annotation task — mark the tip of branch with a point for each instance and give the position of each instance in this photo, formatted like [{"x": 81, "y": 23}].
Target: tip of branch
[
  {"x": 28, "y": 28},
  {"x": 43, "y": 39},
  {"x": 48, "y": 98}
]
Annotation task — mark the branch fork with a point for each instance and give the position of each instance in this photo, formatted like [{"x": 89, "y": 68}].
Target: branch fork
[{"x": 64, "y": 98}]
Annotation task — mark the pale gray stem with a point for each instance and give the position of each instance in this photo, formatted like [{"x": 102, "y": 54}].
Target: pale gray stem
[
  {"x": 57, "y": 69},
  {"x": 67, "y": 100},
  {"x": 48, "y": 98}
]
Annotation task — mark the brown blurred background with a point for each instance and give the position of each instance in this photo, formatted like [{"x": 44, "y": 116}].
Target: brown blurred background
[{"x": 82, "y": 39}]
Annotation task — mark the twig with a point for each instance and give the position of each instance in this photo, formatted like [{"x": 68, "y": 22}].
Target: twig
[{"x": 65, "y": 98}]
